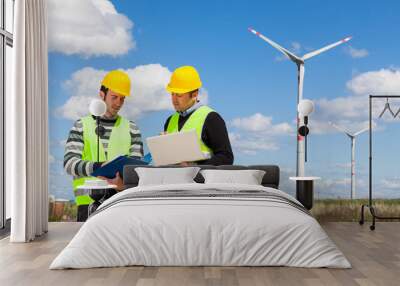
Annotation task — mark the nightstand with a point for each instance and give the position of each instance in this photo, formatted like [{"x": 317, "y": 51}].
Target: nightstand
[{"x": 305, "y": 190}]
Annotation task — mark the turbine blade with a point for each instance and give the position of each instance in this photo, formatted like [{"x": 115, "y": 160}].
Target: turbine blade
[
  {"x": 324, "y": 49},
  {"x": 288, "y": 54},
  {"x": 361, "y": 131},
  {"x": 342, "y": 129}
]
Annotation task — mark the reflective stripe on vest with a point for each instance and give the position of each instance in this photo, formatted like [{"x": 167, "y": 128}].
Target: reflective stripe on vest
[
  {"x": 195, "y": 121},
  {"x": 118, "y": 144}
]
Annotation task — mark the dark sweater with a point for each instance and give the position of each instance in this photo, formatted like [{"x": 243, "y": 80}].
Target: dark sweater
[{"x": 214, "y": 135}]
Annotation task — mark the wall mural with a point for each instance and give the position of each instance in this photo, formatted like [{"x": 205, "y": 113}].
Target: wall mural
[{"x": 251, "y": 84}]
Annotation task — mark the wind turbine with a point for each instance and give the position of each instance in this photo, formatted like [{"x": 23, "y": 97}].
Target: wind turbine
[
  {"x": 299, "y": 61},
  {"x": 352, "y": 136}
]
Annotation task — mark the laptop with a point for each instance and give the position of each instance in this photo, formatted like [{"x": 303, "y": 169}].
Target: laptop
[{"x": 175, "y": 148}]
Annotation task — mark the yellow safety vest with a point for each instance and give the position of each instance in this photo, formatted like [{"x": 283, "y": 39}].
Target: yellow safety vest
[
  {"x": 118, "y": 144},
  {"x": 195, "y": 121}
]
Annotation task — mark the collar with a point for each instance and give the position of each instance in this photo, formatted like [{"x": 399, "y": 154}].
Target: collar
[
  {"x": 190, "y": 110},
  {"x": 105, "y": 119}
]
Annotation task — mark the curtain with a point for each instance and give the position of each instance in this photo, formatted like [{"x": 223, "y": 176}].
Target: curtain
[{"x": 26, "y": 123}]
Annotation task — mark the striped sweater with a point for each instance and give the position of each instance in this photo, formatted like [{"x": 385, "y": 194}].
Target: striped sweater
[{"x": 73, "y": 163}]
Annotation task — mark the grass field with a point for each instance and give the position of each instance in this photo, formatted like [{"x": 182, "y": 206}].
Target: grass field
[
  {"x": 349, "y": 210},
  {"x": 323, "y": 210}
]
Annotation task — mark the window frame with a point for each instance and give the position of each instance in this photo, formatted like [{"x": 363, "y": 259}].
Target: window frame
[{"x": 6, "y": 39}]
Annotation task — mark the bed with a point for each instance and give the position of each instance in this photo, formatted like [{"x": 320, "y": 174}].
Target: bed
[{"x": 201, "y": 224}]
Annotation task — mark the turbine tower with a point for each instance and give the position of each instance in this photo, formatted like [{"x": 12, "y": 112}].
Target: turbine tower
[
  {"x": 299, "y": 61},
  {"x": 352, "y": 136}
]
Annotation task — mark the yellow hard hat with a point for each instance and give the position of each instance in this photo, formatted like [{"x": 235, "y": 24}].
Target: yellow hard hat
[
  {"x": 117, "y": 81},
  {"x": 184, "y": 79}
]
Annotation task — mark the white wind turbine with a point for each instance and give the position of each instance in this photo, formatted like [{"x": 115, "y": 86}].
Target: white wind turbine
[
  {"x": 352, "y": 136},
  {"x": 299, "y": 61}
]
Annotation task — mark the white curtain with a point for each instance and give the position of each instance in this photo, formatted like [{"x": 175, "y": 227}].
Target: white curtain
[{"x": 26, "y": 123}]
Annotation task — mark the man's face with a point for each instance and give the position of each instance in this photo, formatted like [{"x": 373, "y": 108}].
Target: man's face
[
  {"x": 114, "y": 102},
  {"x": 183, "y": 101}
]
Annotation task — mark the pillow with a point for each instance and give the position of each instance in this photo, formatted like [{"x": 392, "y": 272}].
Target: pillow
[
  {"x": 166, "y": 176},
  {"x": 248, "y": 177}
]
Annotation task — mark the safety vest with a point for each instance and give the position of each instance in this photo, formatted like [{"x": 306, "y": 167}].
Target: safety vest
[
  {"x": 195, "y": 121},
  {"x": 118, "y": 144}
]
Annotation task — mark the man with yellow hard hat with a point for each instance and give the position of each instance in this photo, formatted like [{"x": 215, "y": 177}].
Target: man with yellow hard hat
[
  {"x": 118, "y": 136},
  {"x": 190, "y": 114}
]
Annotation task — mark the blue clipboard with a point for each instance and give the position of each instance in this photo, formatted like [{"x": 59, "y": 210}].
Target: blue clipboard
[{"x": 111, "y": 169}]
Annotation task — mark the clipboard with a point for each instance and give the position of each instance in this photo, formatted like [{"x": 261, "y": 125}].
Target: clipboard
[{"x": 110, "y": 169}]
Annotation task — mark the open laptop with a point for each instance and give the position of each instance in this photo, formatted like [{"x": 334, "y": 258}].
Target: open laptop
[{"x": 175, "y": 148}]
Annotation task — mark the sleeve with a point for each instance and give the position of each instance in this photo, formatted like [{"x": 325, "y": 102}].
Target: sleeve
[
  {"x": 215, "y": 136},
  {"x": 136, "y": 149},
  {"x": 73, "y": 163}
]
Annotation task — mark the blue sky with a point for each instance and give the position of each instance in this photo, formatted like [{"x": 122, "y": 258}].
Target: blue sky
[{"x": 247, "y": 81}]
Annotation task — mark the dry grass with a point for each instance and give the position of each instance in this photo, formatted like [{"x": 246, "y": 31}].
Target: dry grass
[
  {"x": 323, "y": 210},
  {"x": 349, "y": 210},
  {"x": 69, "y": 212}
]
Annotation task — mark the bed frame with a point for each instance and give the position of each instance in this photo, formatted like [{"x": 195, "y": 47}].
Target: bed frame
[{"x": 270, "y": 179}]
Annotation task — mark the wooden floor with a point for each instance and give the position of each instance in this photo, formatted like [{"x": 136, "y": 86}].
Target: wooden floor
[{"x": 375, "y": 256}]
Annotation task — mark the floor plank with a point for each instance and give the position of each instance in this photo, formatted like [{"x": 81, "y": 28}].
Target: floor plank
[{"x": 374, "y": 255}]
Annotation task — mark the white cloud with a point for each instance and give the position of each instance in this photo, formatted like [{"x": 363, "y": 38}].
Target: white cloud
[
  {"x": 88, "y": 28},
  {"x": 343, "y": 165},
  {"x": 340, "y": 188},
  {"x": 250, "y": 145},
  {"x": 352, "y": 111},
  {"x": 62, "y": 143},
  {"x": 349, "y": 112},
  {"x": 356, "y": 53},
  {"x": 60, "y": 184},
  {"x": 260, "y": 123},
  {"x": 148, "y": 92},
  {"x": 384, "y": 81},
  {"x": 392, "y": 183},
  {"x": 350, "y": 107},
  {"x": 296, "y": 47},
  {"x": 257, "y": 133},
  {"x": 327, "y": 187},
  {"x": 51, "y": 159},
  {"x": 58, "y": 143},
  {"x": 285, "y": 184}
]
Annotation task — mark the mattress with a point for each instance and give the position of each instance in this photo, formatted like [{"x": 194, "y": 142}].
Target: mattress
[{"x": 201, "y": 225}]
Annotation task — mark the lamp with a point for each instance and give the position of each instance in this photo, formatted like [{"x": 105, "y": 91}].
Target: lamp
[
  {"x": 98, "y": 108},
  {"x": 305, "y": 108}
]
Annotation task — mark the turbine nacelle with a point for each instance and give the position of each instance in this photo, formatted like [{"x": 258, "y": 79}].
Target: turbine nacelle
[{"x": 348, "y": 133}]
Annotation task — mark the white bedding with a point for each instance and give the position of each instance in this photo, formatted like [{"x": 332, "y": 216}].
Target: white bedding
[{"x": 182, "y": 231}]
